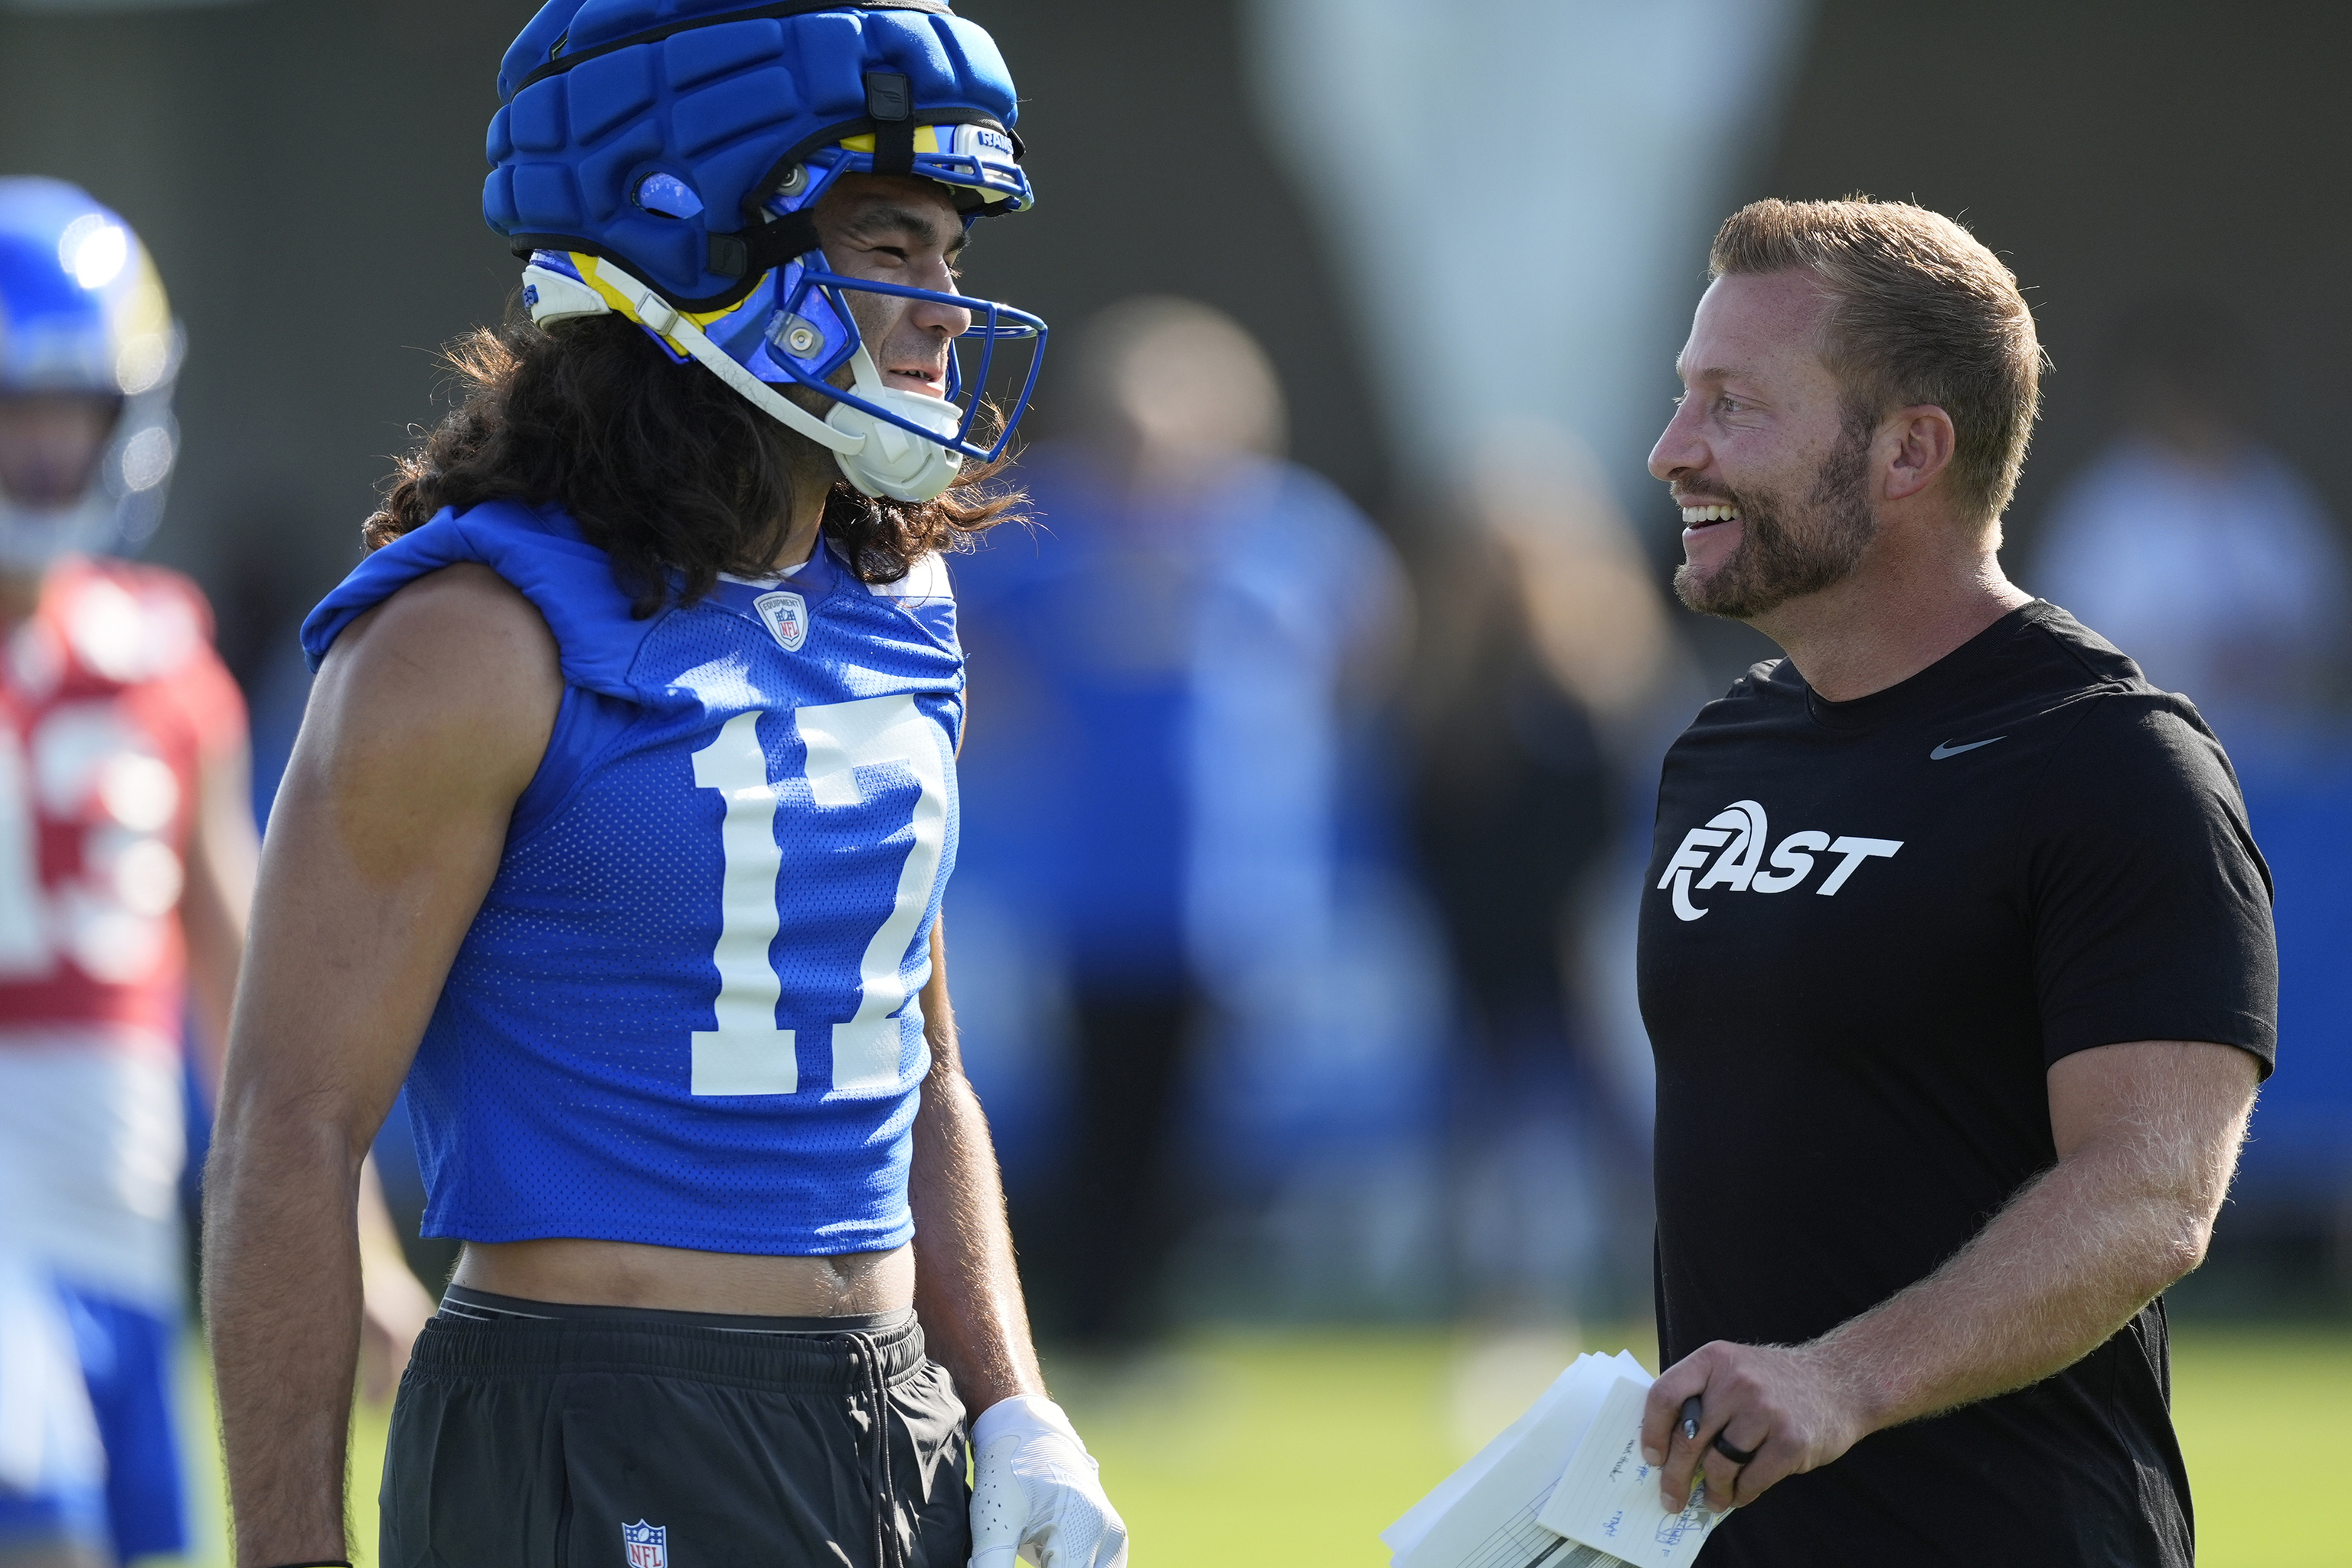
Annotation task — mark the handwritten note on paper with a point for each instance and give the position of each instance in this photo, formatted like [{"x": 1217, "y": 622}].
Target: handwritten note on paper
[{"x": 1607, "y": 1499}]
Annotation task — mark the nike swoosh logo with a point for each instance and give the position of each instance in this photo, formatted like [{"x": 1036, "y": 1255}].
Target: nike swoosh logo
[{"x": 1949, "y": 749}]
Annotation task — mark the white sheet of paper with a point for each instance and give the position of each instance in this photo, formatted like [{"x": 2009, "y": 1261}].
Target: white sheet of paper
[
  {"x": 1608, "y": 1496},
  {"x": 1484, "y": 1515},
  {"x": 1413, "y": 1523},
  {"x": 1406, "y": 1535}
]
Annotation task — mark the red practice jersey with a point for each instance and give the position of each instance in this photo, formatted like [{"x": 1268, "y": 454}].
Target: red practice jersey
[{"x": 113, "y": 703}]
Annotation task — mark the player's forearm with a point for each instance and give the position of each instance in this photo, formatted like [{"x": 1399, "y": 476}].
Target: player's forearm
[
  {"x": 2059, "y": 1270},
  {"x": 967, "y": 1288},
  {"x": 282, "y": 1311}
]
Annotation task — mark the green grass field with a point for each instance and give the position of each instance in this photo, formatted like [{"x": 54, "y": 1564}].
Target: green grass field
[{"x": 1298, "y": 1445}]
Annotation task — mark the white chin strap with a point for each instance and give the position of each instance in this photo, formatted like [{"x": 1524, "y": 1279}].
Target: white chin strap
[{"x": 874, "y": 454}]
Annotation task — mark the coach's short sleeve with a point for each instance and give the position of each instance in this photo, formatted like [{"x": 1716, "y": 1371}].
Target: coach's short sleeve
[{"x": 2150, "y": 906}]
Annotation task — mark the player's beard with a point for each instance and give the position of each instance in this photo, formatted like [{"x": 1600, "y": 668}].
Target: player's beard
[{"x": 1785, "y": 552}]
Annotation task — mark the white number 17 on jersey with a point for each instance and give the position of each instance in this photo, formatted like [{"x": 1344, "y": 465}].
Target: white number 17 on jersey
[{"x": 747, "y": 1054}]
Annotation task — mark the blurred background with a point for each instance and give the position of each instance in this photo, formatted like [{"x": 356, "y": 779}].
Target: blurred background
[{"x": 1313, "y": 983}]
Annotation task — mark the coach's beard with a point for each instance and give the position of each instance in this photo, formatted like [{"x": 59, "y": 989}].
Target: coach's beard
[{"x": 1778, "y": 561}]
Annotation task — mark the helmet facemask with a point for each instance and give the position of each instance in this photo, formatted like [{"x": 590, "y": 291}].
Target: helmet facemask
[{"x": 797, "y": 326}]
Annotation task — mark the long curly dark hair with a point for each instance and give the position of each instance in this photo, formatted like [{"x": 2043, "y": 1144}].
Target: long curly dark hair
[{"x": 667, "y": 469}]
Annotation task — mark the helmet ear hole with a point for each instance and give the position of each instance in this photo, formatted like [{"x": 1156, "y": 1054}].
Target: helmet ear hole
[{"x": 667, "y": 195}]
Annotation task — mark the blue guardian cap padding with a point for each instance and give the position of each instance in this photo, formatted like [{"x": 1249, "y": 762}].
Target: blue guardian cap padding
[
  {"x": 664, "y": 163},
  {"x": 603, "y": 96}
]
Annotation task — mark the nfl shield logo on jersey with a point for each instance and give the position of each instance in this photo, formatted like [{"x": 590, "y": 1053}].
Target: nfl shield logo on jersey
[
  {"x": 648, "y": 1545},
  {"x": 787, "y": 618}
]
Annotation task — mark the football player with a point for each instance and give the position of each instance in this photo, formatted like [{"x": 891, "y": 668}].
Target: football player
[
  {"x": 617, "y": 828},
  {"x": 126, "y": 865}
]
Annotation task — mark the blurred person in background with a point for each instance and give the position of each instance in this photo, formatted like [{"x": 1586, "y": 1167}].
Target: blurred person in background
[
  {"x": 2192, "y": 543},
  {"x": 1544, "y": 647},
  {"x": 1164, "y": 671},
  {"x": 126, "y": 865}
]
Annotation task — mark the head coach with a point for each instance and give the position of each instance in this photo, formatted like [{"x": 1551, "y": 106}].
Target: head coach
[{"x": 1956, "y": 950}]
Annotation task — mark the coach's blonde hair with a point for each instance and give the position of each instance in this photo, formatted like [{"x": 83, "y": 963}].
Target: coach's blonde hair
[{"x": 1920, "y": 313}]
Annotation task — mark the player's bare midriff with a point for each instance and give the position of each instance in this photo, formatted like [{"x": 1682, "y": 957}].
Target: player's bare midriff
[{"x": 586, "y": 1273}]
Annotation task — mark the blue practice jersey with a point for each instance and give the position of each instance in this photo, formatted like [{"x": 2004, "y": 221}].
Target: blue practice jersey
[{"x": 687, "y": 1014}]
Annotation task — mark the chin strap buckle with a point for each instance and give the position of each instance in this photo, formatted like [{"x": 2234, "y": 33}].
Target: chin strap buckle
[{"x": 655, "y": 311}]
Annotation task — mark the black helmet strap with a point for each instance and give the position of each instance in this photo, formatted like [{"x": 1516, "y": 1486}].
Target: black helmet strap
[
  {"x": 890, "y": 104},
  {"x": 769, "y": 244}
]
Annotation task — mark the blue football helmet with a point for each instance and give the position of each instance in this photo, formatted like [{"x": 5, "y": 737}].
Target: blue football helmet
[
  {"x": 82, "y": 312},
  {"x": 662, "y": 159}
]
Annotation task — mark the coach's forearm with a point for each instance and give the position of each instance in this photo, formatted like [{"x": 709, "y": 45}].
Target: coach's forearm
[
  {"x": 2059, "y": 1270},
  {"x": 966, "y": 1287},
  {"x": 282, "y": 1312},
  {"x": 2147, "y": 1135}
]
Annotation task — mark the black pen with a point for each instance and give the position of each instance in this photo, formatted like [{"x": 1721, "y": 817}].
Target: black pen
[{"x": 1690, "y": 1418}]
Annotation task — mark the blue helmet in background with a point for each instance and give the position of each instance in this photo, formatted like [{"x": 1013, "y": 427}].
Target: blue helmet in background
[
  {"x": 662, "y": 159},
  {"x": 82, "y": 313}
]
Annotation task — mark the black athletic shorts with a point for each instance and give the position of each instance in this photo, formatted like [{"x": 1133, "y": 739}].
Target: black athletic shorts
[{"x": 529, "y": 1433}]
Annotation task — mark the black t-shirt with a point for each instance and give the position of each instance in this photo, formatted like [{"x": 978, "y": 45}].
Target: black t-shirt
[{"x": 1869, "y": 929}]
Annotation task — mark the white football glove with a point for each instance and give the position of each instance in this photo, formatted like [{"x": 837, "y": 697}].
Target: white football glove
[{"x": 1036, "y": 1493}]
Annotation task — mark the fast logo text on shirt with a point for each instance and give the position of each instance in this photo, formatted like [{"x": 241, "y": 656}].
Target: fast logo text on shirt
[{"x": 1734, "y": 840}]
